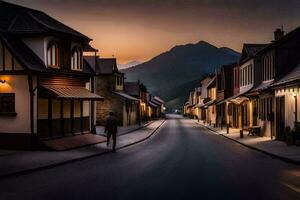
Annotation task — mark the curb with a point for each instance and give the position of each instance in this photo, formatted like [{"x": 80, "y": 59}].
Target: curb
[
  {"x": 28, "y": 171},
  {"x": 289, "y": 160}
]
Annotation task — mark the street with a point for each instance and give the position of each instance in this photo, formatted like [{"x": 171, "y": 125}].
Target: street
[{"x": 182, "y": 160}]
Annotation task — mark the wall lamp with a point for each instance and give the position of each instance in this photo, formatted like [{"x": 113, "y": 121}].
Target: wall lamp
[{"x": 2, "y": 81}]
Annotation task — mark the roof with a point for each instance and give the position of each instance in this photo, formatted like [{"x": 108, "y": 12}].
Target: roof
[
  {"x": 250, "y": 50},
  {"x": 212, "y": 82},
  {"x": 132, "y": 88},
  {"x": 87, "y": 68},
  {"x": 126, "y": 96},
  {"x": 21, "y": 20},
  {"x": 211, "y": 102},
  {"x": 23, "y": 53},
  {"x": 294, "y": 75},
  {"x": 102, "y": 65},
  {"x": 29, "y": 60},
  {"x": 159, "y": 99},
  {"x": 264, "y": 85},
  {"x": 152, "y": 104},
  {"x": 71, "y": 92},
  {"x": 280, "y": 41},
  {"x": 107, "y": 65}
]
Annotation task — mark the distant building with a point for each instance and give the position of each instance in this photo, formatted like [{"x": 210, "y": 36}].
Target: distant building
[
  {"x": 109, "y": 83},
  {"x": 210, "y": 106},
  {"x": 139, "y": 91}
]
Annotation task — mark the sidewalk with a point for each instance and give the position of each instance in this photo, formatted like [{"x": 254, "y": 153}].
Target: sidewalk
[
  {"x": 26, "y": 161},
  {"x": 266, "y": 145}
]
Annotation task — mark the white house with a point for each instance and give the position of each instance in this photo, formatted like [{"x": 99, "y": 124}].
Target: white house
[{"x": 46, "y": 87}]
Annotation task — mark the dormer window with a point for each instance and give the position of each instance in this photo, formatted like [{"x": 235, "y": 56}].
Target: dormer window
[
  {"x": 76, "y": 59},
  {"x": 53, "y": 55},
  {"x": 268, "y": 67}
]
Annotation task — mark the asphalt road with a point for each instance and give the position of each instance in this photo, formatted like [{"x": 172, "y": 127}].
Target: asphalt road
[{"x": 181, "y": 161}]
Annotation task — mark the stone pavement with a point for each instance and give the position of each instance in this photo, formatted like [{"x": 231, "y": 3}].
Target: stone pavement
[
  {"x": 27, "y": 161},
  {"x": 266, "y": 145}
]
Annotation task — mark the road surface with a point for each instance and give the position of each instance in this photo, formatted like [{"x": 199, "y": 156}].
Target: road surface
[{"x": 181, "y": 161}]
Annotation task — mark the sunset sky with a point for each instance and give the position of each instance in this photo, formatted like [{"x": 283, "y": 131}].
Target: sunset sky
[{"x": 141, "y": 29}]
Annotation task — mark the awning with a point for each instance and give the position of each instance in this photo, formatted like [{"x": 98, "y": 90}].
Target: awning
[
  {"x": 210, "y": 103},
  {"x": 199, "y": 105},
  {"x": 239, "y": 100},
  {"x": 152, "y": 104},
  {"x": 71, "y": 92},
  {"x": 264, "y": 85},
  {"x": 224, "y": 100},
  {"x": 126, "y": 96}
]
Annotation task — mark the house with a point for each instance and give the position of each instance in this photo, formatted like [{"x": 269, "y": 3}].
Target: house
[
  {"x": 185, "y": 108},
  {"x": 278, "y": 59},
  {"x": 224, "y": 86},
  {"x": 109, "y": 83},
  {"x": 243, "y": 105},
  {"x": 139, "y": 91},
  {"x": 156, "y": 107},
  {"x": 46, "y": 88},
  {"x": 204, "y": 98},
  {"x": 189, "y": 107},
  {"x": 210, "y": 106},
  {"x": 233, "y": 111},
  {"x": 286, "y": 102},
  {"x": 196, "y": 100},
  {"x": 160, "y": 109}
]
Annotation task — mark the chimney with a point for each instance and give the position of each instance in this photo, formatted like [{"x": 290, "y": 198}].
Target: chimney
[{"x": 278, "y": 34}]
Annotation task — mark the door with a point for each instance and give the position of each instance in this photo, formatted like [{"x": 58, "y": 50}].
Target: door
[{"x": 280, "y": 118}]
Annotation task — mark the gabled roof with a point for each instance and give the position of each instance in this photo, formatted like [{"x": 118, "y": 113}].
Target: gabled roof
[
  {"x": 280, "y": 41},
  {"x": 126, "y": 96},
  {"x": 23, "y": 53},
  {"x": 212, "y": 82},
  {"x": 107, "y": 65},
  {"x": 292, "y": 76},
  {"x": 21, "y": 20},
  {"x": 250, "y": 50},
  {"x": 159, "y": 99},
  {"x": 102, "y": 65},
  {"x": 132, "y": 88},
  {"x": 28, "y": 59},
  {"x": 87, "y": 68}
]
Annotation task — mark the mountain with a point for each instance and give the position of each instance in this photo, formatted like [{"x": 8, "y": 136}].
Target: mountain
[
  {"x": 172, "y": 74},
  {"x": 129, "y": 64}
]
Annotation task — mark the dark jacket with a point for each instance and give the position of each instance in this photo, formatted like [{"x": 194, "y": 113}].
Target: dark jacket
[{"x": 111, "y": 125}]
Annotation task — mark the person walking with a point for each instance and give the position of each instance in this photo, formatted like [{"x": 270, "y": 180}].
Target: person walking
[{"x": 111, "y": 129}]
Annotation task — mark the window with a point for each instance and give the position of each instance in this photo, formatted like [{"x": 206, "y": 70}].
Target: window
[
  {"x": 7, "y": 103},
  {"x": 265, "y": 108},
  {"x": 76, "y": 60},
  {"x": 53, "y": 55},
  {"x": 268, "y": 68}
]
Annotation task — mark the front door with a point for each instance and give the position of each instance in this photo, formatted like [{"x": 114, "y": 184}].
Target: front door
[{"x": 280, "y": 118}]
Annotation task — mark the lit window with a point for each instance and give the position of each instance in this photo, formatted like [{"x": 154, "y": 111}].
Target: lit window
[
  {"x": 53, "y": 55},
  {"x": 76, "y": 60}
]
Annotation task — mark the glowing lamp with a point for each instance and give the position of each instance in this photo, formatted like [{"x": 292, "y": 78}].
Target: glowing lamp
[{"x": 294, "y": 95}]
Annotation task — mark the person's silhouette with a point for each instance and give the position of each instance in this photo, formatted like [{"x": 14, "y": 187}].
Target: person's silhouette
[{"x": 111, "y": 128}]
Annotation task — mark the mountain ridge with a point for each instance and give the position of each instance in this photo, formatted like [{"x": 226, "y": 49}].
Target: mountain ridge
[{"x": 180, "y": 67}]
